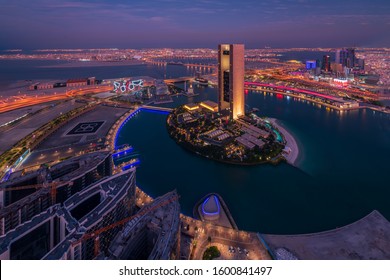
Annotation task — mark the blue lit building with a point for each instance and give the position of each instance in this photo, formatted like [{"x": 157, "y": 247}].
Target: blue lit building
[{"x": 311, "y": 64}]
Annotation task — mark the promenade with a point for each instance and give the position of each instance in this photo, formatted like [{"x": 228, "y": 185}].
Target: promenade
[{"x": 292, "y": 156}]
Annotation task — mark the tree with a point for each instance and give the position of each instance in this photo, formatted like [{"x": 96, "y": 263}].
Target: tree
[{"x": 211, "y": 253}]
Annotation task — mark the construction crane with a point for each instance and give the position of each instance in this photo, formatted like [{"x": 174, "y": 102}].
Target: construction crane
[
  {"x": 52, "y": 185},
  {"x": 95, "y": 234}
]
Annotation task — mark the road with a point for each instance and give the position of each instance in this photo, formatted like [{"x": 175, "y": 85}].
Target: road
[
  {"x": 13, "y": 134},
  {"x": 25, "y": 101}
]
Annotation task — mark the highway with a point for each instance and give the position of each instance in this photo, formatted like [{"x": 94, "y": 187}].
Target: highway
[
  {"x": 25, "y": 101},
  {"x": 283, "y": 75},
  {"x": 11, "y": 135}
]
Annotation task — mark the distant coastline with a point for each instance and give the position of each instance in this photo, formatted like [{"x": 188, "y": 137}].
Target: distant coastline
[{"x": 77, "y": 63}]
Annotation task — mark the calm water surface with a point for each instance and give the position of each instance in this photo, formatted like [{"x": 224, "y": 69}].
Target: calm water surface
[{"x": 342, "y": 171}]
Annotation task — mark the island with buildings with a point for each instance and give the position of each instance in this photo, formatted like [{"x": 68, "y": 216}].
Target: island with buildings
[{"x": 224, "y": 131}]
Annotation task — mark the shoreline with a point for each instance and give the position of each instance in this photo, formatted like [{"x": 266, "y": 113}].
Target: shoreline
[
  {"x": 77, "y": 64},
  {"x": 290, "y": 142}
]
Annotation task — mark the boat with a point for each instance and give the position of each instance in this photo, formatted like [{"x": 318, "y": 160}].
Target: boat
[{"x": 201, "y": 81}]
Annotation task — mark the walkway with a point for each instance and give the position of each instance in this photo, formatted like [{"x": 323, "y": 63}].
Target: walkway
[
  {"x": 292, "y": 156},
  {"x": 161, "y": 109}
]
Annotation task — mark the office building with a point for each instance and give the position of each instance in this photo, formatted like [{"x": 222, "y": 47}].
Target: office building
[
  {"x": 326, "y": 63},
  {"x": 231, "y": 79},
  {"x": 346, "y": 57}
]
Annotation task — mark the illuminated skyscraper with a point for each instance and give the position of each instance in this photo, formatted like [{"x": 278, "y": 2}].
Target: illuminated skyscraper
[
  {"x": 346, "y": 57},
  {"x": 231, "y": 79},
  {"x": 326, "y": 63}
]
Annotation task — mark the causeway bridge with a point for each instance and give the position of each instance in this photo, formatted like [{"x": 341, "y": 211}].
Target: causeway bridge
[{"x": 156, "y": 108}]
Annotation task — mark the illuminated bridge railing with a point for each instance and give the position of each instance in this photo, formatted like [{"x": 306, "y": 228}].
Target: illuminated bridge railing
[
  {"x": 157, "y": 109},
  {"x": 295, "y": 90},
  {"x": 122, "y": 152}
]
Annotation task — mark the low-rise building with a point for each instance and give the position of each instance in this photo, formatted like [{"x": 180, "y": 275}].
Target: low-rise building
[
  {"x": 209, "y": 105},
  {"x": 77, "y": 82}
]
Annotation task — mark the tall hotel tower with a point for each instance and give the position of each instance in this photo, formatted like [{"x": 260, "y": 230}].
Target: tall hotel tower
[{"x": 231, "y": 79}]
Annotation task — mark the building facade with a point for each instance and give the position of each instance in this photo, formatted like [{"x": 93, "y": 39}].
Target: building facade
[
  {"x": 231, "y": 79},
  {"x": 72, "y": 229},
  {"x": 326, "y": 63},
  {"x": 71, "y": 176},
  {"x": 346, "y": 57}
]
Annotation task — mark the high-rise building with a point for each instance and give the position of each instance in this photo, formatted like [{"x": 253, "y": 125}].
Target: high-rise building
[
  {"x": 351, "y": 58},
  {"x": 326, "y": 63},
  {"x": 231, "y": 79},
  {"x": 346, "y": 57},
  {"x": 360, "y": 63}
]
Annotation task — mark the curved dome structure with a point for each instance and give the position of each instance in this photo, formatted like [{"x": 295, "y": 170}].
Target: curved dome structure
[{"x": 211, "y": 208}]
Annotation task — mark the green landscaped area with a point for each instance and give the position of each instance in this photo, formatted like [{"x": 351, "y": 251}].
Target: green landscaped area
[{"x": 211, "y": 253}]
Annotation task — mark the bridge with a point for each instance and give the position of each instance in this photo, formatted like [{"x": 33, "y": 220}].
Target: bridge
[
  {"x": 178, "y": 80},
  {"x": 189, "y": 65},
  {"x": 327, "y": 100},
  {"x": 156, "y": 108},
  {"x": 201, "y": 66}
]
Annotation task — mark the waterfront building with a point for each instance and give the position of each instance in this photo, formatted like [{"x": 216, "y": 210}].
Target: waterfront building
[
  {"x": 209, "y": 105},
  {"x": 231, "y": 79},
  {"x": 191, "y": 106},
  {"x": 76, "y": 82},
  {"x": 211, "y": 208}
]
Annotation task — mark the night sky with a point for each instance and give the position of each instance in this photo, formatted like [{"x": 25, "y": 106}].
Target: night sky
[{"x": 31, "y": 24}]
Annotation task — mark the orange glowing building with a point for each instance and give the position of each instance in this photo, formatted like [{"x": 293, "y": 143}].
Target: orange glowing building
[{"x": 231, "y": 79}]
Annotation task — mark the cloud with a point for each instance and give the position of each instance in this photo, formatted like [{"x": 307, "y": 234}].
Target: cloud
[{"x": 192, "y": 22}]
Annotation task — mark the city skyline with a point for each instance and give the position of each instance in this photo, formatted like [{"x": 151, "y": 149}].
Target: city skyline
[
  {"x": 204, "y": 130},
  {"x": 177, "y": 23},
  {"x": 71, "y": 147}
]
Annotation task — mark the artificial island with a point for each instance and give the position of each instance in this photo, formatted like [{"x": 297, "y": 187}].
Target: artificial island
[{"x": 224, "y": 131}]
